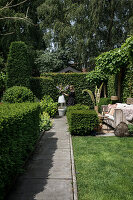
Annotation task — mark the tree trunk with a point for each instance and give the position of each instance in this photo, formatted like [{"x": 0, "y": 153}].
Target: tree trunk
[{"x": 119, "y": 84}]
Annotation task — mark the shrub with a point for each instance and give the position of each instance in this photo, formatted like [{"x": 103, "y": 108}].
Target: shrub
[
  {"x": 18, "y": 94},
  {"x": 45, "y": 122},
  {"x": 18, "y": 67},
  {"x": 19, "y": 130},
  {"x": 82, "y": 122},
  {"x": 130, "y": 128},
  {"x": 41, "y": 86},
  {"x": 48, "y": 105},
  {"x": 103, "y": 101}
]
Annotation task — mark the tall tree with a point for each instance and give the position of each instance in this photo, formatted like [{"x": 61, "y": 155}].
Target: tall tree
[
  {"x": 18, "y": 21},
  {"x": 87, "y": 27}
]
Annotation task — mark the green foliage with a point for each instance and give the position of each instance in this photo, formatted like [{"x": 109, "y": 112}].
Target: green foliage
[
  {"x": 19, "y": 130},
  {"x": 127, "y": 83},
  {"x": 96, "y": 76},
  {"x": 1, "y": 63},
  {"x": 95, "y": 98},
  {"x": 52, "y": 61},
  {"x": 112, "y": 85},
  {"x": 77, "y": 107},
  {"x": 18, "y": 68},
  {"x": 41, "y": 86},
  {"x": 130, "y": 128},
  {"x": 18, "y": 94},
  {"x": 2, "y": 82},
  {"x": 86, "y": 27},
  {"x": 45, "y": 122},
  {"x": 82, "y": 122},
  {"x": 48, "y": 105},
  {"x": 103, "y": 101},
  {"x": 111, "y": 62},
  {"x": 78, "y": 80},
  {"x": 19, "y": 29}
]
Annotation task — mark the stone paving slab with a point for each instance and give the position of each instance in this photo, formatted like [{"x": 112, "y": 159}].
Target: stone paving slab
[
  {"x": 40, "y": 189},
  {"x": 56, "y": 134},
  {"x": 63, "y": 154},
  {"x": 54, "y": 143},
  {"x": 106, "y": 131},
  {"x": 47, "y": 169}
]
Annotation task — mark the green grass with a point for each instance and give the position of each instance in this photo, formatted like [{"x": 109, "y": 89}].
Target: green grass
[{"x": 104, "y": 168}]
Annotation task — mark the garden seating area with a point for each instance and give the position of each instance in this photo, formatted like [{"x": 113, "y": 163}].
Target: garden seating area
[{"x": 117, "y": 113}]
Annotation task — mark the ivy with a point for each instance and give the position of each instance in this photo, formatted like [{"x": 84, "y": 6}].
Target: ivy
[
  {"x": 111, "y": 85},
  {"x": 111, "y": 62},
  {"x": 96, "y": 76}
]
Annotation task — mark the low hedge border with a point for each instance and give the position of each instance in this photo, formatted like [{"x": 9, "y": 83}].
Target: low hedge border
[
  {"x": 82, "y": 122},
  {"x": 19, "y": 131}
]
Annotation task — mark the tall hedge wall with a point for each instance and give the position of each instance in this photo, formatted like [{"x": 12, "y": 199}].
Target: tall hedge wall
[
  {"x": 18, "y": 67},
  {"x": 41, "y": 86},
  {"x": 19, "y": 130},
  {"x": 77, "y": 79}
]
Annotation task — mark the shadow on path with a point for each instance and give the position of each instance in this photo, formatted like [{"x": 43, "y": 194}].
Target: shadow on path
[{"x": 32, "y": 183}]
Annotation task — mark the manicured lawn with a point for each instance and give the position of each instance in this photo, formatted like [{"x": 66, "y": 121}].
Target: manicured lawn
[{"x": 104, "y": 168}]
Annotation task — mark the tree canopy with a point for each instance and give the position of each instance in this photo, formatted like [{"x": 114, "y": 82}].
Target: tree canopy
[
  {"x": 87, "y": 27},
  {"x": 18, "y": 21}
]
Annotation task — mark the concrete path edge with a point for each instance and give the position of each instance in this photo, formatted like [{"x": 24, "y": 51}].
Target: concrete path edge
[{"x": 75, "y": 195}]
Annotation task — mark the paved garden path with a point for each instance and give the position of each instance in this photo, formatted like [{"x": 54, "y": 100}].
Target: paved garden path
[{"x": 49, "y": 172}]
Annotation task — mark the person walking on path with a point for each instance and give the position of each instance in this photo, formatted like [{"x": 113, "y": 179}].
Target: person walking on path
[{"x": 71, "y": 96}]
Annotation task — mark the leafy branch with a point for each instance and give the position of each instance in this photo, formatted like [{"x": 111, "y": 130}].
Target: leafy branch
[{"x": 25, "y": 19}]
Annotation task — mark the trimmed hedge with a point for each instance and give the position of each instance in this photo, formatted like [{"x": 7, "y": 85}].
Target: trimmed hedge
[
  {"x": 41, "y": 86},
  {"x": 18, "y": 66},
  {"x": 77, "y": 107},
  {"x": 77, "y": 79},
  {"x": 82, "y": 122},
  {"x": 19, "y": 130},
  {"x": 18, "y": 94}
]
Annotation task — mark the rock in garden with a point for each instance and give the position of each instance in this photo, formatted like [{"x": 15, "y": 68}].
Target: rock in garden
[{"x": 121, "y": 130}]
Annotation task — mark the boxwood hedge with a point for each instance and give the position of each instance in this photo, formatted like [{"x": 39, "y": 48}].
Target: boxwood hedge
[
  {"x": 82, "y": 122},
  {"x": 19, "y": 130},
  {"x": 18, "y": 94}
]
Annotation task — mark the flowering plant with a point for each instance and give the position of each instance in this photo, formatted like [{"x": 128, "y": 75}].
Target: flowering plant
[{"x": 62, "y": 88}]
